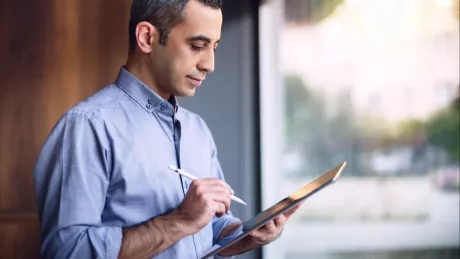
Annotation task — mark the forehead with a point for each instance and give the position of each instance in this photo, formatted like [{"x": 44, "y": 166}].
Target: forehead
[{"x": 200, "y": 19}]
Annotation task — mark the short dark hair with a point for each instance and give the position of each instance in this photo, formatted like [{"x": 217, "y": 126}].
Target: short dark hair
[{"x": 163, "y": 14}]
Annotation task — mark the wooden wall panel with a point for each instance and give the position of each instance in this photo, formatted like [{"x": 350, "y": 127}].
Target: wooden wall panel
[
  {"x": 21, "y": 53},
  {"x": 19, "y": 236},
  {"x": 53, "y": 54}
]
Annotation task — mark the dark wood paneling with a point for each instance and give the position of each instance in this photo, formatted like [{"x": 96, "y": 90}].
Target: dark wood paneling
[
  {"x": 19, "y": 238},
  {"x": 53, "y": 54},
  {"x": 21, "y": 53}
]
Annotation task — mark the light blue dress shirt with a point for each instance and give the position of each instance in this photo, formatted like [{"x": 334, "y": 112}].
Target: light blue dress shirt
[{"x": 104, "y": 167}]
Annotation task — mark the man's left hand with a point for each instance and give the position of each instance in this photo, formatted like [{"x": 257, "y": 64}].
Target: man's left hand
[
  {"x": 259, "y": 237},
  {"x": 272, "y": 229}
]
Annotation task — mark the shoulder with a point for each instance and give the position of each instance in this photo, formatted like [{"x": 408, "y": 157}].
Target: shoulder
[
  {"x": 94, "y": 106},
  {"x": 87, "y": 119}
]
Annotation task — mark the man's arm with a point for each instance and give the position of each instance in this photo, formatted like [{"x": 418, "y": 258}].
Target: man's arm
[
  {"x": 72, "y": 177},
  {"x": 71, "y": 182},
  {"x": 205, "y": 199},
  {"x": 153, "y": 237}
]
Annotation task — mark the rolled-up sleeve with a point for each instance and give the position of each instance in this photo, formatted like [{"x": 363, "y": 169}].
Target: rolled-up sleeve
[
  {"x": 218, "y": 225},
  {"x": 72, "y": 175}
]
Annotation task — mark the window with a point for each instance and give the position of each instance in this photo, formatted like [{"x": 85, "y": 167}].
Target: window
[{"x": 374, "y": 83}]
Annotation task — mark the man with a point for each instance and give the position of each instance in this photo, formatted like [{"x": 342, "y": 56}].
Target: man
[{"x": 102, "y": 181}]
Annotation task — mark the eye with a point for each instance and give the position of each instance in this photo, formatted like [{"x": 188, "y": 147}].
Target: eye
[{"x": 197, "y": 47}]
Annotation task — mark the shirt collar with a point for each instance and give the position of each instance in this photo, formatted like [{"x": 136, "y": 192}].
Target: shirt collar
[{"x": 144, "y": 95}]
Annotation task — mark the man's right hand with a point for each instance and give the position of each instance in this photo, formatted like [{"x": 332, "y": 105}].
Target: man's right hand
[{"x": 204, "y": 199}]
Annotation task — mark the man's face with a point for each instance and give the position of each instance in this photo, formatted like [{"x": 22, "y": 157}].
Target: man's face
[{"x": 181, "y": 65}]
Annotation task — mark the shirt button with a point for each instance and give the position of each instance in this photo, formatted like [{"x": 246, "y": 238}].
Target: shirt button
[
  {"x": 186, "y": 185},
  {"x": 163, "y": 106},
  {"x": 148, "y": 106}
]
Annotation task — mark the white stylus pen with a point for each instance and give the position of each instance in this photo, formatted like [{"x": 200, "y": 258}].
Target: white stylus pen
[{"x": 192, "y": 177}]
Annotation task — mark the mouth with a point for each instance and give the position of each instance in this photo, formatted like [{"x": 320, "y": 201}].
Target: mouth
[{"x": 195, "y": 81}]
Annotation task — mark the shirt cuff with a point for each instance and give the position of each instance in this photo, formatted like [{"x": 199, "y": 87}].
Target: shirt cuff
[
  {"x": 114, "y": 242},
  {"x": 230, "y": 237},
  {"x": 226, "y": 222},
  {"x": 217, "y": 256}
]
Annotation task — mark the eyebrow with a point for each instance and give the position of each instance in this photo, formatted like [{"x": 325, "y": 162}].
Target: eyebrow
[{"x": 201, "y": 38}]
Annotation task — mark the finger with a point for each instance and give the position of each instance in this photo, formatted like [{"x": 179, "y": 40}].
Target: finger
[
  {"x": 270, "y": 227},
  {"x": 257, "y": 234},
  {"x": 221, "y": 197},
  {"x": 213, "y": 189},
  {"x": 227, "y": 203},
  {"x": 279, "y": 221},
  {"x": 215, "y": 183},
  {"x": 289, "y": 213},
  {"x": 213, "y": 193},
  {"x": 208, "y": 189},
  {"x": 218, "y": 209}
]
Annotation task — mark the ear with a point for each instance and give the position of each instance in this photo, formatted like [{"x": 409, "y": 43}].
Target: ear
[{"x": 147, "y": 35}]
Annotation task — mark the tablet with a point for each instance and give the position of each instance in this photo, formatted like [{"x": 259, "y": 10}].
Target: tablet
[{"x": 282, "y": 206}]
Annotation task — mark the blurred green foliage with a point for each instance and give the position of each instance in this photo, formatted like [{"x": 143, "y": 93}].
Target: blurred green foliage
[
  {"x": 327, "y": 130},
  {"x": 310, "y": 11},
  {"x": 443, "y": 129}
]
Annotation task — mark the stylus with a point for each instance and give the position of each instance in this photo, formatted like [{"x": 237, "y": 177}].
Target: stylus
[{"x": 192, "y": 177}]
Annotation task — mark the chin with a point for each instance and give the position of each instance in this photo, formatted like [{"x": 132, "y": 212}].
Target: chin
[
  {"x": 186, "y": 92},
  {"x": 191, "y": 93}
]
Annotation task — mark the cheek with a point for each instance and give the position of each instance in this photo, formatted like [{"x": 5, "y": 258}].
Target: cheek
[
  {"x": 178, "y": 74},
  {"x": 187, "y": 62},
  {"x": 182, "y": 70}
]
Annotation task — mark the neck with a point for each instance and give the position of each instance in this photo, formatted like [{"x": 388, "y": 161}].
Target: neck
[{"x": 138, "y": 67}]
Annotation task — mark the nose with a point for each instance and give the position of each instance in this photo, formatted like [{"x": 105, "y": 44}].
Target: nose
[{"x": 207, "y": 62}]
